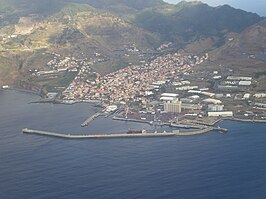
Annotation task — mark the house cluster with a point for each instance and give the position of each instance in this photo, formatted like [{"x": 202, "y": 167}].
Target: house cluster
[{"x": 128, "y": 84}]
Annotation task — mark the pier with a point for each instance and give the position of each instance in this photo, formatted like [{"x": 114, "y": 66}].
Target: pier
[
  {"x": 91, "y": 118},
  {"x": 132, "y": 120}
]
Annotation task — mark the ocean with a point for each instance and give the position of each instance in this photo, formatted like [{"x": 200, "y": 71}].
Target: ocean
[{"x": 214, "y": 165}]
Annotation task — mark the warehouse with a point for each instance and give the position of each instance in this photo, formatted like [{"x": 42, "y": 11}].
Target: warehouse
[
  {"x": 169, "y": 95},
  {"x": 221, "y": 114},
  {"x": 244, "y": 83},
  {"x": 239, "y": 78}
]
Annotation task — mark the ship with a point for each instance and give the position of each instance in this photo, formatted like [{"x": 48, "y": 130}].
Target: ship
[{"x": 130, "y": 131}]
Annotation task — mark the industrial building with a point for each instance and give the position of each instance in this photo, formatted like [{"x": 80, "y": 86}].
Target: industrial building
[
  {"x": 220, "y": 114},
  {"x": 212, "y": 101},
  {"x": 260, "y": 104},
  {"x": 215, "y": 107},
  {"x": 239, "y": 78},
  {"x": 173, "y": 106},
  {"x": 168, "y": 98},
  {"x": 191, "y": 106},
  {"x": 244, "y": 83},
  {"x": 169, "y": 95},
  {"x": 260, "y": 95}
]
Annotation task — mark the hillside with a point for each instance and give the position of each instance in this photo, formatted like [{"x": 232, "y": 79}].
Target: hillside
[
  {"x": 252, "y": 41},
  {"x": 76, "y": 30},
  {"x": 112, "y": 33},
  {"x": 190, "y": 21},
  {"x": 240, "y": 52},
  {"x": 49, "y": 7}
]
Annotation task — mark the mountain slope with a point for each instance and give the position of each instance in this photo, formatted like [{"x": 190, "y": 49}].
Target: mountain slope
[
  {"x": 240, "y": 54},
  {"x": 252, "y": 41},
  {"x": 189, "y": 21},
  {"x": 48, "y": 7},
  {"x": 119, "y": 32},
  {"x": 76, "y": 30}
]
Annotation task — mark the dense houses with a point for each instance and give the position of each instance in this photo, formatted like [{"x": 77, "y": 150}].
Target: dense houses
[{"x": 126, "y": 85}]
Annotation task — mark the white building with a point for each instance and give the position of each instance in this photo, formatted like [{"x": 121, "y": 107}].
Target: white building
[
  {"x": 217, "y": 77},
  {"x": 5, "y": 87},
  {"x": 244, "y": 83},
  {"x": 148, "y": 93},
  {"x": 169, "y": 95},
  {"x": 208, "y": 94},
  {"x": 215, "y": 107},
  {"x": 168, "y": 98},
  {"x": 220, "y": 114},
  {"x": 260, "y": 95},
  {"x": 185, "y": 82},
  {"x": 239, "y": 78},
  {"x": 212, "y": 101},
  {"x": 111, "y": 108},
  {"x": 194, "y": 97},
  {"x": 246, "y": 96},
  {"x": 194, "y": 91},
  {"x": 173, "y": 106},
  {"x": 186, "y": 88}
]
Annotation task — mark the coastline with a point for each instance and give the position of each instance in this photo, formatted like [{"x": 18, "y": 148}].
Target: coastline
[
  {"x": 57, "y": 101},
  {"x": 22, "y": 90},
  {"x": 201, "y": 128}
]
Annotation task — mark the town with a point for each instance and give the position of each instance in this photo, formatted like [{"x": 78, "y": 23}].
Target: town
[{"x": 169, "y": 89}]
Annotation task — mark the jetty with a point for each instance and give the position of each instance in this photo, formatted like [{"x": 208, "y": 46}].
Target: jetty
[
  {"x": 132, "y": 120},
  {"x": 91, "y": 118},
  {"x": 123, "y": 135},
  {"x": 196, "y": 132},
  {"x": 90, "y": 136}
]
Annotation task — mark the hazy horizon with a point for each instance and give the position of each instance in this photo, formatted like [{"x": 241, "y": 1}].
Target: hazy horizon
[{"x": 247, "y": 5}]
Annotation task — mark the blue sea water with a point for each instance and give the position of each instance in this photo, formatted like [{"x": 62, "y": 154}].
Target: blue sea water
[{"x": 213, "y": 165}]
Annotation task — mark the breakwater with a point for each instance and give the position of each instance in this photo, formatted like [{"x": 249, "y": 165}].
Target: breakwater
[
  {"x": 122, "y": 135},
  {"x": 71, "y": 136}
]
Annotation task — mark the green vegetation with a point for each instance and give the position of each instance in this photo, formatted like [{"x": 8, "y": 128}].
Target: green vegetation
[
  {"x": 260, "y": 74},
  {"x": 56, "y": 85},
  {"x": 193, "y": 20}
]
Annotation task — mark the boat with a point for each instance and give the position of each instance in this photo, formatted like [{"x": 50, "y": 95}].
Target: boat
[{"x": 134, "y": 131}]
